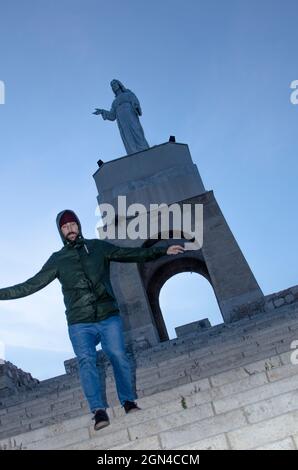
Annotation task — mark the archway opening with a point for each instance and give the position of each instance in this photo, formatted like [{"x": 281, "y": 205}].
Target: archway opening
[
  {"x": 187, "y": 297},
  {"x": 155, "y": 278}
]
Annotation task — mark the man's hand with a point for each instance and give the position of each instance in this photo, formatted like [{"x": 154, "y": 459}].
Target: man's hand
[
  {"x": 97, "y": 111},
  {"x": 175, "y": 250}
]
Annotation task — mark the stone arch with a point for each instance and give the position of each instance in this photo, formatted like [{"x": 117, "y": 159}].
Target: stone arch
[{"x": 156, "y": 275}]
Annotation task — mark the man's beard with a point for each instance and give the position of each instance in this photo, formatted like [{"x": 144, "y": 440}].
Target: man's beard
[{"x": 71, "y": 233}]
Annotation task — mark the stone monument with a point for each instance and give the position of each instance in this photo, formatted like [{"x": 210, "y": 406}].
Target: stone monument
[{"x": 165, "y": 174}]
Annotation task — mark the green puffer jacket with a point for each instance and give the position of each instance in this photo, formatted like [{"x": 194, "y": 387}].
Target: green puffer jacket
[{"x": 82, "y": 268}]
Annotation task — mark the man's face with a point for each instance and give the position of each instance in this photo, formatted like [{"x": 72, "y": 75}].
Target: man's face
[{"x": 70, "y": 230}]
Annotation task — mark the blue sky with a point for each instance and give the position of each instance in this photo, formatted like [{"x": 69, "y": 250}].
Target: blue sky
[{"x": 216, "y": 74}]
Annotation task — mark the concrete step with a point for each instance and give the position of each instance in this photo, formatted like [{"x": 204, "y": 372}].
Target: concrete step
[
  {"x": 209, "y": 342},
  {"x": 228, "y": 402},
  {"x": 226, "y": 335},
  {"x": 171, "y": 373}
]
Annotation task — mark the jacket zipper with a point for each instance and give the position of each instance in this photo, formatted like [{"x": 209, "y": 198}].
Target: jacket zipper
[{"x": 89, "y": 282}]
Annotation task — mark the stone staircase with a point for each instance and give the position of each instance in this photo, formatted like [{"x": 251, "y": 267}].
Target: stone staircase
[{"x": 232, "y": 386}]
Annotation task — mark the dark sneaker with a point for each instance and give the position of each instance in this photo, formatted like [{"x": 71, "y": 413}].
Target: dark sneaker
[
  {"x": 130, "y": 406},
  {"x": 101, "y": 419}
]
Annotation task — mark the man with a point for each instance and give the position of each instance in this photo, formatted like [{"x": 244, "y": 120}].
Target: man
[{"x": 82, "y": 267}]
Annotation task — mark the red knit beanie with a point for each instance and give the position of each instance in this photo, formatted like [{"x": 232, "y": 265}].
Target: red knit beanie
[{"x": 67, "y": 217}]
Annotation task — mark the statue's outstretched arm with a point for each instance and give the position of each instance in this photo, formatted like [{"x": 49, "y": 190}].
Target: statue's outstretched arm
[{"x": 110, "y": 115}]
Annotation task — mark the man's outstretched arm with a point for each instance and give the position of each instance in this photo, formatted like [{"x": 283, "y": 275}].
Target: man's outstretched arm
[
  {"x": 46, "y": 275},
  {"x": 137, "y": 255}
]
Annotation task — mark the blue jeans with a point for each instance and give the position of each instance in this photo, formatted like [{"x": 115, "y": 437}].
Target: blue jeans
[{"x": 84, "y": 338}]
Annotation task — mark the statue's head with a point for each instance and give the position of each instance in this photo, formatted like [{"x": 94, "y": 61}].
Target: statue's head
[{"x": 117, "y": 86}]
